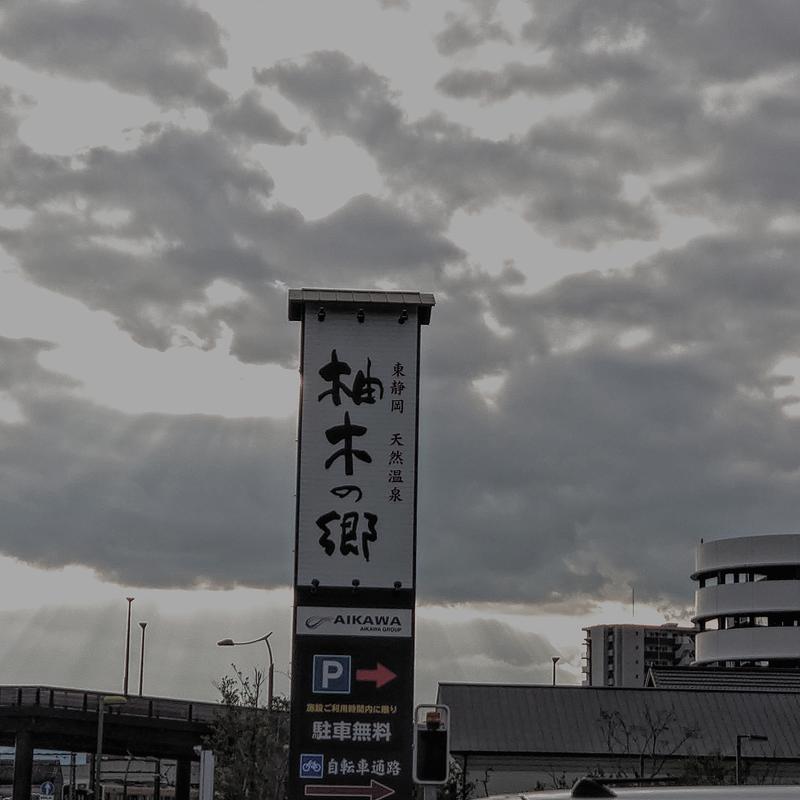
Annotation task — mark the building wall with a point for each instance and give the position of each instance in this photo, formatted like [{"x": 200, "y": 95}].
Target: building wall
[
  {"x": 620, "y": 655},
  {"x": 749, "y": 645},
  {"x": 747, "y": 602},
  {"x": 752, "y": 551},
  {"x": 509, "y": 774}
]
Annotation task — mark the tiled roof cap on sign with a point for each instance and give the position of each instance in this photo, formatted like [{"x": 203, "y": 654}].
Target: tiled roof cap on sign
[{"x": 422, "y": 301}]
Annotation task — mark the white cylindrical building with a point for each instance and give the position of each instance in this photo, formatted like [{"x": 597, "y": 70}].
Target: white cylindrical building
[{"x": 747, "y": 602}]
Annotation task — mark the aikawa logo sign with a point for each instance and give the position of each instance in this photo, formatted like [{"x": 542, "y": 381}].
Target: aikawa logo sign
[
  {"x": 315, "y": 622},
  {"x": 321, "y": 621}
]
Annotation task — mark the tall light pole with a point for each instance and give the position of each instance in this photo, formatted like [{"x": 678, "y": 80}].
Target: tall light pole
[
  {"x": 127, "y": 647},
  {"x": 102, "y": 702},
  {"x": 555, "y": 660},
  {"x": 740, "y": 737},
  {"x": 271, "y": 669},
  {"x": 142, "y": 625}
]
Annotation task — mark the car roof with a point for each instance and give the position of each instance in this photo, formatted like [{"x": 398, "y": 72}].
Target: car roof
[{"x": 673, "y": 793}]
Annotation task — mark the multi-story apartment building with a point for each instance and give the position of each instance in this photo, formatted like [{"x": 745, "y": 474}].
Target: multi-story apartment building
[{"x": 621, "y": 655}]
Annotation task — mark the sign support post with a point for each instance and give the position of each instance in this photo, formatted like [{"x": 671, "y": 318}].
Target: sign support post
[{"x": 355, "y": 544}]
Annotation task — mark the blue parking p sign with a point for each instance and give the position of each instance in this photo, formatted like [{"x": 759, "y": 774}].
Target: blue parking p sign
[
  {"x": 312, "y": 765},
  {"x": 331, "y": 675}
]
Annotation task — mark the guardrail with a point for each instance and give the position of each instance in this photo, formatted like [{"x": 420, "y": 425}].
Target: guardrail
[{"x": 79, "y": 700}]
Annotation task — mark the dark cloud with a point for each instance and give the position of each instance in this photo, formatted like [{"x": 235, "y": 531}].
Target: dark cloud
[
  {"x": 193, "y": 210},
  {"x": 568, "y": 180},
  {"x": 403, "y": 4},
  {"x": 85, "y": 485},
  {"x": 753, "y": 167},
  {"x": 21, "y": 168},
  {"x": 177, "y": 188},
  {"x": 635, "y": 409},
  {"x": 19, "y": 370},
  {"x": 664, "y": 84},
  {"x": 682, "y": 36},
  {"x": 600, "y": 461},
  {"x": 603, "y": 461},
  {"x": 469, "y": 30},
  {"x": 343, "y": 96},
  {"x": 366, "y": 232},
  {"x": 246, "y": 117},
  {"x": 581, "y": 70},
  {"x": 152, "y": 47},
  {"x": 9, "y": 102}
]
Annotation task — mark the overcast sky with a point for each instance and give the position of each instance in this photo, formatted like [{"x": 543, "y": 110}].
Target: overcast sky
[{"x": 602, "y": 195}]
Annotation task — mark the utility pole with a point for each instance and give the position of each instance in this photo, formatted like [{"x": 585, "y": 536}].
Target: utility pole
[
  {"x": 142, "y": 625},
  {"x": 127, "y": 647}
]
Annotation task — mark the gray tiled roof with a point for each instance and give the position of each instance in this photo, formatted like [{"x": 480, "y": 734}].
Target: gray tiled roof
[
  {"x": 422, "y": 301},
  {"x": 515, "y": 719},
  {"x": 735, "y": 680}
]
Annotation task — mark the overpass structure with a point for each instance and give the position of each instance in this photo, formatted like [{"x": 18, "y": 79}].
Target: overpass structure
[{"x": 52, "y": 718}]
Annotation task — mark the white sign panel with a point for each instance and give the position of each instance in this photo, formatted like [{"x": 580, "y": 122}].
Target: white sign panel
[
  {"x": 358, "y": 450},
  {"x": 326, "y": 621}
]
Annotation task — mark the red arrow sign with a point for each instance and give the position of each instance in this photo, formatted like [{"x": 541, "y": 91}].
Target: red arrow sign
[
  {"x": 381, "y": 675},
  {"x": 375, "y": 791}
]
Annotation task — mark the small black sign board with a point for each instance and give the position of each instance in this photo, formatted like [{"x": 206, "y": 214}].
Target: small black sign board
[{"x": 352, "y": 717}]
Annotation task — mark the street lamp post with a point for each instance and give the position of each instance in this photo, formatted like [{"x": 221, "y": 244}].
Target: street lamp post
[
  {"x": 555, "y": 660},
  {"x": 270, "y": 670},
  {"x": 127, "y": 647},
  {"x": 740, "y": 737},
  {"x": 102, "y": 702},
  {"x": 142, "y": 625}
]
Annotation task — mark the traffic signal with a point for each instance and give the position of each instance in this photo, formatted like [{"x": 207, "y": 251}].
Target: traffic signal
[{"x": 431, "y": 744}]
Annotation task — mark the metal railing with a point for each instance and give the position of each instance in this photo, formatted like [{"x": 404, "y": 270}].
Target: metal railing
[{"x": 79, "y": 700}]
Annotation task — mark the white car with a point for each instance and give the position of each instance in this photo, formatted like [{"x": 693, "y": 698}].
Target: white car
[{"x": 588, "y": 788}]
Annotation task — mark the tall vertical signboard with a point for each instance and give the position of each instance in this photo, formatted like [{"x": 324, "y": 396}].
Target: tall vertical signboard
[{"x": 355, "y": 547}]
